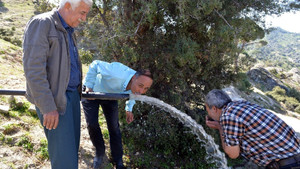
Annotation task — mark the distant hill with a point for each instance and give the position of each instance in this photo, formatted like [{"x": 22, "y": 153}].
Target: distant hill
[{"x": 282, "y": 49}]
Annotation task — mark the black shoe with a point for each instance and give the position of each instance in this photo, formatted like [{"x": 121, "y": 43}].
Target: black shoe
[{"x": 97, "y": 162}]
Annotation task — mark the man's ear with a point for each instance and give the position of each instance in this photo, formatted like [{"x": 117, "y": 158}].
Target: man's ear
[
  {"x": 134, "y": 77},
  {"x": 67, "y": 6}
]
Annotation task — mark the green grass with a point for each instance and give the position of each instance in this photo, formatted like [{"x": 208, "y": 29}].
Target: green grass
[
  {"x": 17, "y": 15},
  {"x": 7, "y": 47},
  {"x": 43, "y": 150},
  {"x": 11, "y": 129},
  {"x": 25, "y": 142}
]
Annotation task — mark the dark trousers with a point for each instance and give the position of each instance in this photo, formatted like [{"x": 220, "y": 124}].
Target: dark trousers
[
  {"x": 292, "y": 162},
  {"x": 110, "y": 110},
  {"x": 63, "y": 142}
]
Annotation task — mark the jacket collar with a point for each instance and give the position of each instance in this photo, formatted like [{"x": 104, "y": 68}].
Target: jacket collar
[{"x": 57, "y": 22}]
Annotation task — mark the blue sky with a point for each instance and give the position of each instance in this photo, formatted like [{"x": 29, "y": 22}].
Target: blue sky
[{"x": 287, "y": 21}]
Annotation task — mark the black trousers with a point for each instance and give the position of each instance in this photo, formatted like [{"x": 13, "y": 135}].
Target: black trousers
[{"x": 110, "y": 110}]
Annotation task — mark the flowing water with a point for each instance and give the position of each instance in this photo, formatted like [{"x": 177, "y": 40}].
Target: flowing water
[{"x": 213, "y": 153}]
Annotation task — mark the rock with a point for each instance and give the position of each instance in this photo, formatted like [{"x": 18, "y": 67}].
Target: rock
[
  {"x": 257, "y": 97},
  {"x": 4, "y": 109},
  {"x": 295, "y": 75},
  {"x": 233, "y": 93},
  {"x": 264, "y": 80},
  {"x": 32, "y": 108}
]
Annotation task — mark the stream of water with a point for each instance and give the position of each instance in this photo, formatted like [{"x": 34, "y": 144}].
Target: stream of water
[{"x": 213, "y": 153}]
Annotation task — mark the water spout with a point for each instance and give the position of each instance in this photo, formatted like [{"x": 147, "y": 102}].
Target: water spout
[{"x": 212, "y": 150}]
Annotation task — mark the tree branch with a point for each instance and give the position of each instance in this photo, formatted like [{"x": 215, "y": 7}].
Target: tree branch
[{"x": 223, "y": 18}]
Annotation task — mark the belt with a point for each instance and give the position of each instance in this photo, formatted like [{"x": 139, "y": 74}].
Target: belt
[{"x": 289, "y": 160}]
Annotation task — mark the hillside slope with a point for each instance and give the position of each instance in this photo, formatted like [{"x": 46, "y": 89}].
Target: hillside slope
[{"x": 282, "y": 49}]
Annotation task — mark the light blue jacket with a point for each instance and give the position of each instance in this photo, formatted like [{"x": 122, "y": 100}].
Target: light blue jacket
[{"x": 110, "y": 78}]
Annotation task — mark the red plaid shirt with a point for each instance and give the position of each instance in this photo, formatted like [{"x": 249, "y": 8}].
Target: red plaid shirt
[{"x": 261, "y": 135}]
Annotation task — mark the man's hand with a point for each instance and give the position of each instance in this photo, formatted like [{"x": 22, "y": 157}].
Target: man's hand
[
  {"x": 213, "y": 124},
  {"x": 129, "y": 117},
  {"x": 89, "y": 90},
  {"x": 51, "y": 120}
]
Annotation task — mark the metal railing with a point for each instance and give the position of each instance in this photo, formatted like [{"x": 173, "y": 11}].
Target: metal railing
[{"x": 89, "y": 95}]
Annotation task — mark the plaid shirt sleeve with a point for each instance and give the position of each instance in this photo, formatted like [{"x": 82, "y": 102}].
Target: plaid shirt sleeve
[{"x": 233, "y": 129}]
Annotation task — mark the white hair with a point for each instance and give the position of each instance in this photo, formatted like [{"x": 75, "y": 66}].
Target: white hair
[{"x": 74, "y": 3}]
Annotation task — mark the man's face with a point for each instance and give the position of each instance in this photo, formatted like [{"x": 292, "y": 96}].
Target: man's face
[
  {"x": 212, "y": 113},
  {"x": 140, "y": 84},
  {"x": 74, "y": 17}
]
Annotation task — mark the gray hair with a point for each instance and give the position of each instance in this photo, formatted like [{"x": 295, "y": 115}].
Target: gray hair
[
  {"x": 75, "y": 3},
  {"x": 218, "y": 98}
]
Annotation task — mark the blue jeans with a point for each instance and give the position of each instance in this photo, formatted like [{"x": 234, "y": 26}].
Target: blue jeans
[
  {"x": 63, "y": 142},
  {"x": 110, "y": 110}
]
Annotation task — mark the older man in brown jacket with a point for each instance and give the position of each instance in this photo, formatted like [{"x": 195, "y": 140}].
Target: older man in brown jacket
[{"x": 53, "y": 76}]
